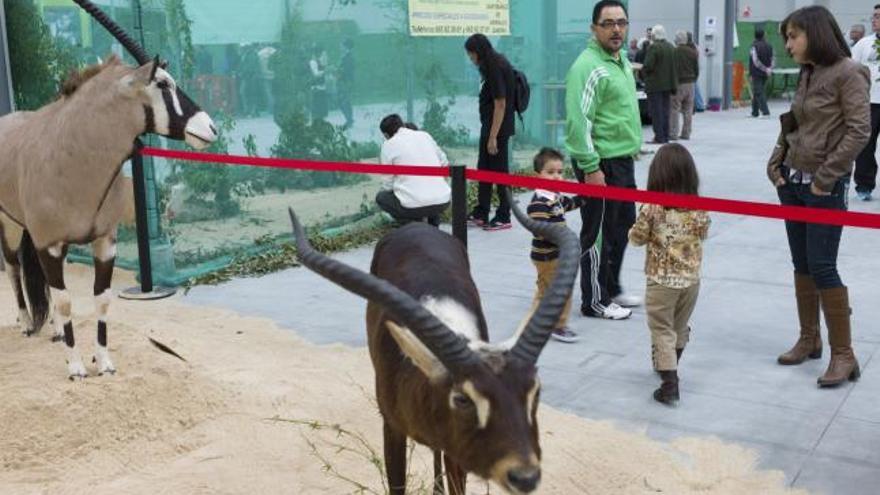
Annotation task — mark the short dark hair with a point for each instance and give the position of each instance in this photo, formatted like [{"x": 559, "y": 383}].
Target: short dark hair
[
  {"x": 673, "y": 171},
  {"x": 759, "y": 33},
  {"x": 411, "y": 126},
  {"x": 391, "y": 124},
  {"x": 544, "y": 156},
  {"x": 825, "y": 42},
  {"x": 604, "y": 4}
]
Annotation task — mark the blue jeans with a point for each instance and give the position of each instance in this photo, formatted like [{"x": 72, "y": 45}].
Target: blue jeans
[{"x": 814, "y": 246}]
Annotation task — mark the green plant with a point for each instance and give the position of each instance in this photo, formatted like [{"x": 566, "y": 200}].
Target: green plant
[
  {"x": 39, "y": 62},
  {"x": 318, "y": 140},
  {"x": 211, "y": 184},
  {"x": 180, "y": 38},
  {"x": 279, "y": 256}
]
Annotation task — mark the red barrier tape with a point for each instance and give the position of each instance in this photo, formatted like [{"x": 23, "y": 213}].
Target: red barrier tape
[
  {"x": 353, "y": 168},
  {"x": 747, "y": 208}
]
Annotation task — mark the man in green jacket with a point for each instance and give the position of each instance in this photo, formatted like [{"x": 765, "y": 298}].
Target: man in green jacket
[
  {"x": 603, "y": 133},
  {"x": 661, "y": 82}
]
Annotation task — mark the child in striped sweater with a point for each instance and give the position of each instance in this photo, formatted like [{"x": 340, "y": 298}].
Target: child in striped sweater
[{"x": 549, "y": 206}]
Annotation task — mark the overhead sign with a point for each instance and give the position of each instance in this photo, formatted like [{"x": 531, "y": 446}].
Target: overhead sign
[{"x": 459, "y": 17}]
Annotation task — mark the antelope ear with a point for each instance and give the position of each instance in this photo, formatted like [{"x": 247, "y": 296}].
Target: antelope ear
[
  {"x": 143, "y": 75},
  {"x": 420, "y": 355}
]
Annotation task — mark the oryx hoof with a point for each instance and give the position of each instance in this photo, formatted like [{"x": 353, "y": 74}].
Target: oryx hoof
[
  {"x": 104, "y": 365},
  {"x": 76, "y": 370},
  {"x": 57, "y": 338}
]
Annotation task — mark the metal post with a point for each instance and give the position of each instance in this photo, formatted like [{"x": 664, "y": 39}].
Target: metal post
[
  {"x": 146, "y": 291},
  {"x": 729, "y": 26},
  {"x": 145, "y": 264},
  {"x": 697, "y": 21},
  {"x": 459, "y": 202}
]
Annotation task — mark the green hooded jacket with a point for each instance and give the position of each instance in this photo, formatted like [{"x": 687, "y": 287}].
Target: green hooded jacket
[{"x": 601, "y": 107}]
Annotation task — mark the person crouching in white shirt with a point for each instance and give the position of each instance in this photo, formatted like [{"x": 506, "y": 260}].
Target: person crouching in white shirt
[{"x": 411, "y": 198}]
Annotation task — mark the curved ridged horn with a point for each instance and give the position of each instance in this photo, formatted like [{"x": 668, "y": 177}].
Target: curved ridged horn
[
  {"x": 537, "y": 331},
  {"x": 450, "y": 348},
  {"x": 131, "y": 45}
]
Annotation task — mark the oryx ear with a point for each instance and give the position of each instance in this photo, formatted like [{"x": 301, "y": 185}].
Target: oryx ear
[
  {"x": 156, "y": 66},
  {"x": 420, "y": 355},
  {"x": 143, "y": 75}
]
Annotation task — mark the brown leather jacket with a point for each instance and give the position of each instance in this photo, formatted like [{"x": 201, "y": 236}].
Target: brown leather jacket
[{"x": 829, "y": 123}]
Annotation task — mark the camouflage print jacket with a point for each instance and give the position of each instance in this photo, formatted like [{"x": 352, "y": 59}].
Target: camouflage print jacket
[{"x": 674, "y": 238}]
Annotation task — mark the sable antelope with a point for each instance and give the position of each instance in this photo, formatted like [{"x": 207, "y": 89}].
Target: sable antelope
[
  {"x": 60, "y": 181},
  {"x": 438, "y": 379}
]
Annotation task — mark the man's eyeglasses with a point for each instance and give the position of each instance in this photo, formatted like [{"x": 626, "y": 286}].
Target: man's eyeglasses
[{"x": 609, "y": 24}]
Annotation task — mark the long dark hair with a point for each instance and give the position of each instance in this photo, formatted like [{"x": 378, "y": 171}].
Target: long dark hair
[
  {"x": 673, "y": 171},
  {"x": 489, "y": 61},
  {"x": 825, "y": 42}
]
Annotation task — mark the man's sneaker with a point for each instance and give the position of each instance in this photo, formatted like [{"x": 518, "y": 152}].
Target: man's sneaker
[
  {"x": 611, "y": 312},
  {"x": 864, "y": 195},
  {"x": 627, "y": 300},
  {"x": 497, "y": 225},
  {"x": 475, "y": 221},
  {"x": 565, "y": 335}
]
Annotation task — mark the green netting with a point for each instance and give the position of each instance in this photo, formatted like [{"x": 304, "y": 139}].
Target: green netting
[{"x": 249, "y": 65}]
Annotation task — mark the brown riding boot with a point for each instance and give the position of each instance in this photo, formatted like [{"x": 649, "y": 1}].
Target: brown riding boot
[
  {"x": 809, "y": 345},
  {"x": 843, "y": 365}
]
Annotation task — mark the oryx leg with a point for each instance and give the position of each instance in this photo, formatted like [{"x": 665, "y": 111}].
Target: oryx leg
[
  {"x": 10, "y": 239},
  {"x": 104, "y": 253},
  {"x": 395, "y": 460},
  {"x": 52, "y": 260}
]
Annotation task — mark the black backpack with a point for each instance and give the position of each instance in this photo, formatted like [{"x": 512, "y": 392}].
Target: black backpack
[{"x": 521, "y": 93}]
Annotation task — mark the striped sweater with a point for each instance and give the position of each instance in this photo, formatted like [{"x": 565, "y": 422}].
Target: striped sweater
[{"x": 547, "y": 206}]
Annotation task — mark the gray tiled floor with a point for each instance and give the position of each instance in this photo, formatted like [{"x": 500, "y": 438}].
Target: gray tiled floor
[{"x": 825, "y": 440}]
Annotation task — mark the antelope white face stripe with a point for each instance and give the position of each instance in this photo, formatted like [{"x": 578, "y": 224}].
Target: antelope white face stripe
[
  {"x": 530, "y": 401},
  {"x": 163, "y": 75},
  {"x": 484, "y": 408}
]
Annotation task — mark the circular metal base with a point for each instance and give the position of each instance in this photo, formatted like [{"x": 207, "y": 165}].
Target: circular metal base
[{"x": 135, "y": 293}]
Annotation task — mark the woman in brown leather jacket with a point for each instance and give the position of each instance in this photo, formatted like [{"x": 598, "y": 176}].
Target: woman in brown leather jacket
[{"x": 827, "y": 127}]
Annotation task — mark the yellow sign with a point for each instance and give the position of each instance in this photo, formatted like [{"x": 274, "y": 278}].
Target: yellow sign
[{"x": 459, "y": 17}]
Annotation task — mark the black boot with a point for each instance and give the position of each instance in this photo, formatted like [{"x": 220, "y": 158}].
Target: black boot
[{"x": 668, "y": 391}]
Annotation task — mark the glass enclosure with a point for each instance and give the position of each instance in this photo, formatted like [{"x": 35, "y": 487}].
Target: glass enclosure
[{"x": 304, "y": 79}]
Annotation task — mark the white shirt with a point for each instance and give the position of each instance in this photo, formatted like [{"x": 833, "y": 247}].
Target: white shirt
[
  {"x": 415, "y": 148},
  {"x": 866, "y": 54}
]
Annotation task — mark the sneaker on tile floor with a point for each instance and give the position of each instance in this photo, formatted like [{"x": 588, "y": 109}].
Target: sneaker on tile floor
[
  {"x": 565, "y": 335},
  {"x": 611, "y": 312}
]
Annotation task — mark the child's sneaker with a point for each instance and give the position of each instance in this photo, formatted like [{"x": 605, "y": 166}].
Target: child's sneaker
[
  {"x": 497, "y": 225},
  {"x": 565, "y": 335}
]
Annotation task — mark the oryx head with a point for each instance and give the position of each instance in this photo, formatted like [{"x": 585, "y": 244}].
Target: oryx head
[
  {"x": 482, "y": 398},
  {"x": 168, "y": 110}
]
